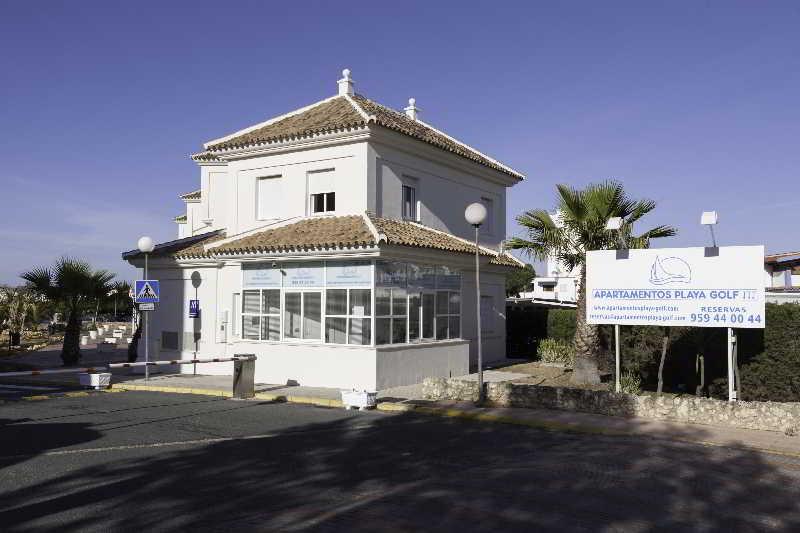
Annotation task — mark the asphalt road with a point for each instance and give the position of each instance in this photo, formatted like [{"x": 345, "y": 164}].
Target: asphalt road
[
  {"x": 19, "y": 390},
  {"x": 136, "y": 461}
]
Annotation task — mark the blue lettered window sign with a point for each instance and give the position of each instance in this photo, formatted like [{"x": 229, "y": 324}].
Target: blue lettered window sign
[{"x": 348, "y": 274}]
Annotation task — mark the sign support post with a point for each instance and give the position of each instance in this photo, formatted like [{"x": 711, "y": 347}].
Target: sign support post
[
  {"x": 616, "y": 343},
  {"x": 732, "y": 391}
]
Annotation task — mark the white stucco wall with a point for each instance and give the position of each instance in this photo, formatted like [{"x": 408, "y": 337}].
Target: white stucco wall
[
  {"x": 443, "y": 192},
  {"x": 412, "y": 363}
]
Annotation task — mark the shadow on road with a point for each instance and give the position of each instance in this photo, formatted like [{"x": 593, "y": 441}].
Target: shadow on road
[{"x": 410, "y": 473}]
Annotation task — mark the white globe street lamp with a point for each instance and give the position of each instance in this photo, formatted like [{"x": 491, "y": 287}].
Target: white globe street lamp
[
  {"x": 146, "y": 246},
  {"x": 475, "y": 214}
]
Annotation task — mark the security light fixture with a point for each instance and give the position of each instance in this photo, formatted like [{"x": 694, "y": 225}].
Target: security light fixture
[
  {"x": 710, "y": 219},
  {"x": 614, "y": 223}
]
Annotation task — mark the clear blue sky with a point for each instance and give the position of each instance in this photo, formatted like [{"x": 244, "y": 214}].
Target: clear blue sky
[{"x": 693, "y": 104}]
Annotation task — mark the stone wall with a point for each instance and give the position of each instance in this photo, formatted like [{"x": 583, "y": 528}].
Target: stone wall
[{"x": 769, "y": 416}]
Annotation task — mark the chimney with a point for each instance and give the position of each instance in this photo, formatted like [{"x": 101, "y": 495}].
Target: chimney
[
  {"x": 346, "y": 83},
  {"x": 411, "y": 110}
]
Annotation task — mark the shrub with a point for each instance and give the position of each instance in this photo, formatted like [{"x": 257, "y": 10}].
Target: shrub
[
  {"x": 561, "y": 324},
  {"x": 630, "y": 383},
  {"x": 774, "y": 374},
  {"x": 556, "y": 351}
]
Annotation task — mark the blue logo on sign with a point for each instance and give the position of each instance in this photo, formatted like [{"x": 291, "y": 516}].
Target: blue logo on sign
[
  {"x": 670, "y": 270},
  {"x": 147, "y": 291},
  {"x": 194, "y": 308}
]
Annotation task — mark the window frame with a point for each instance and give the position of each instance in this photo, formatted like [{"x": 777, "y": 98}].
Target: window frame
[
  {"x": 327, "y": 199},
  {"x": 261, "y": 314},
  {"x": 412, "y": 204},
  {"x": 348, "y": 316}
]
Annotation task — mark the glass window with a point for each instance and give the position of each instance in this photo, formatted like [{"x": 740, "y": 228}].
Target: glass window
[
  {"x": 335, "y": 330},
  {"x": 414, "y": 316},
  {"x": 409, "y": 203},
  {"x": 360, "y": 302},
  {"x": 382, "y": 299},
  {"x": 291, "y": 317},
  {"x": 360, "y": 332},
  {"x": 448, "y": 314},
  {"x": 312, "y": 315},
  {"x": 348, "y": 316},
  {"x": 392, "y": 306},
  {"x": 323, "y": 202},
  {"x": 336, "y": 303},
  {"x": 261, "y": 314},
  {"x": 383, "y": 330}
]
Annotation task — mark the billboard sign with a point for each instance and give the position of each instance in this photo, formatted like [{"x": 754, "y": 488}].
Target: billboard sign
[{"x": 702, "y": 287}]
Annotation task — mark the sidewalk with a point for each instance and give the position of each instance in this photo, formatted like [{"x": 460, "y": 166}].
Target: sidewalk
[{"x": 570, "y": 421}]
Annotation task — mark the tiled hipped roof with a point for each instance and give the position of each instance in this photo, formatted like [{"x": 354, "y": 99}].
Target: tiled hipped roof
[
  {"x": 324, "y": 233},
  {"x": 343, "y": 113},
  {"x": 352, "y": 232},
  {"x": 309, "y": 234}
]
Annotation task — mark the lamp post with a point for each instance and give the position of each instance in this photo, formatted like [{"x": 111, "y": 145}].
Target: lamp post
[
  {"x": 475, "y": 214},
  {"x": 146, "y": 246}
]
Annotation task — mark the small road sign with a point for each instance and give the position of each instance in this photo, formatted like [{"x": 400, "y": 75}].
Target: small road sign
[
  {"x": 194, "y": 308},
  {"x": 147, "y": 307},
  {"x": 147, "y": 291}
]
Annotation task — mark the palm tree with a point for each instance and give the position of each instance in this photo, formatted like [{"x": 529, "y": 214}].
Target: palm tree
[
  {"x": 581, "y": 226},
  {"x": 73, "y": 284},
  {"x": 20, "y": 307}
]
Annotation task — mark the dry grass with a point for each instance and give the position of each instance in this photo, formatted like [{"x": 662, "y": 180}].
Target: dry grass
[{"x": 548, "y": 376}]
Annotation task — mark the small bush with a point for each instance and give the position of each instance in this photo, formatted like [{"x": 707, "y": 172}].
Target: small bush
[
  {"x": 556, "y": 351},
  {"x": 630, "y": 383},
  {"x": 561, "y": 324}
]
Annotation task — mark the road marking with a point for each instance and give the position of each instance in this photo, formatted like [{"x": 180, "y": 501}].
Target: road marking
[{"x": 211, "y": 440}]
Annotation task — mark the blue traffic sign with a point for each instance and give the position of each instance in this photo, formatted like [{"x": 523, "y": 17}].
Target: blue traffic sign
[
  {"x": 147, "y": 291},
  {"x": 194, "y": 308}
]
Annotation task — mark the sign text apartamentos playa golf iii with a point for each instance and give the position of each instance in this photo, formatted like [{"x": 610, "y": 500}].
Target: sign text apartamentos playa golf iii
[{"x": 705, "y": 287}]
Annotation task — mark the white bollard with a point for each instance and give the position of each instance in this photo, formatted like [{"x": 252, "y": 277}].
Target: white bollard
[
  {"x": 84, "y": 340},
  {"x": 93, "y": 334}
]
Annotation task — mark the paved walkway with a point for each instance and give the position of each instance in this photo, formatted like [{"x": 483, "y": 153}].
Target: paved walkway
[{"x": 570, "y": 421}]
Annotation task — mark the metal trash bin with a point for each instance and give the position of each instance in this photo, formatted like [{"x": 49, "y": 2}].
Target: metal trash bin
[{"x": 244, "y": 374}]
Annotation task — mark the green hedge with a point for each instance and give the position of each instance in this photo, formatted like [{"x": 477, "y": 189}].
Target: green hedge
[
  {"x": 774, "y": 373},
  {"x": 561, "y": 324}
]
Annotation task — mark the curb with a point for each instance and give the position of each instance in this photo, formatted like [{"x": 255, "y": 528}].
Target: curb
[
  {"x": 55, "y": 395},
  {"x": 547, "y": 425},
  {"x": 265, "y": 396}
]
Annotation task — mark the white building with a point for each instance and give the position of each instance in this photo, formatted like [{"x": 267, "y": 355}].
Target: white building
[
  {"x": 782, "y": 277},
  {"x": 331, "y": 242},
  {"x": 558, "y": 285}
]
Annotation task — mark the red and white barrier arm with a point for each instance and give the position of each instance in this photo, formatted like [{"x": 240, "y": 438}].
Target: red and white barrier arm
[
  {"x": 45, "y": 372},
  {"x": 184, "y": 361}
]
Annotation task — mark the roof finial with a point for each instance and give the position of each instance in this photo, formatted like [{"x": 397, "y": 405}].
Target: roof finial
[
  {"x": 346, "y": 83},
  {"x": 412, "y": 110}
]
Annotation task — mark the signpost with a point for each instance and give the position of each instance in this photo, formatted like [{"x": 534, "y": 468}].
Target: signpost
[
  {"x": 147, "y": 292},
  {"x": 701, "y": 287},
  {"x": 194, "y": 308}
]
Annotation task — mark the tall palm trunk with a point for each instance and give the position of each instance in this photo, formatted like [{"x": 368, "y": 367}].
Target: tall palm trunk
[
  {"x": 71, "y": 350},
  {"x": 587, "y": 341}
]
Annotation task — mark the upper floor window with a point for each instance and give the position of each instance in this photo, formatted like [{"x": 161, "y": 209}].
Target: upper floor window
[
  {"x": 409, "y": 202},
  {"x": 321, "y": 190},
  {"x": 488, "y": 225},
  {"x": 269, "y": 196},
  {"x": 323, "y": 202}
]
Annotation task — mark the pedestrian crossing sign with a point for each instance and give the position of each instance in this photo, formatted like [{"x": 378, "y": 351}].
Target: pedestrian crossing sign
[{"x": 147, "y": 291}]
